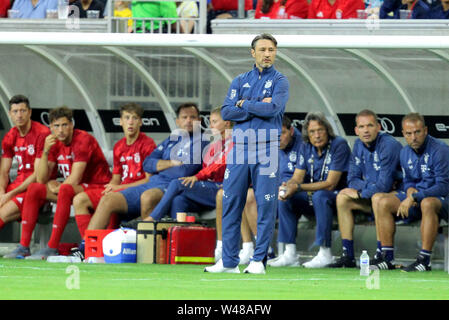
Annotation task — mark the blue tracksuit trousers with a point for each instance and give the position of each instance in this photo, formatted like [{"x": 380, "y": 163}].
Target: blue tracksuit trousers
[
  {"x": 291, "y": 210},
  {"x": 180, "y": 198}
]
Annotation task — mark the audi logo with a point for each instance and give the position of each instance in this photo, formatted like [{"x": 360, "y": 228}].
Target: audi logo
[{"x": 387, "y": 125}]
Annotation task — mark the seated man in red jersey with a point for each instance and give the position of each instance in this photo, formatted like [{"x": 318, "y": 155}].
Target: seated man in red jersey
[
  {"x": 128, "y": 155},
  {"x": 334, "y": 9},
  {"x": 21, "y": 143},
  {"x": 281, "y": 9},
  {"x": 79, "y": 159}
]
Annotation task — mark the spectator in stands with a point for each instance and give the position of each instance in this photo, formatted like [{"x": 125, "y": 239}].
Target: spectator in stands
[
  {"x": 128, "y": 155},
  {"x": 176, "y": 157},
  {"x": 122, "y": 10},
  {"x": 225, "y": 9},
  {"x": 86, "y": 5},
  {"x": 334, "y": 9},
  {"x": 4, "y": 7},
  {"x": 425, "y": 164},
  {"x": 79, "y": 159},
  {"x": 34, "y": 9},
  {"x": 153, "y": 11},
  {"x": 198, "y": 192},
  {"x": 440, "y": 11},
  {"x": 23, "y": 143},
  {"x": 282, "y": 9},
  {"x": 187, "y": 9},
  {"x": 390, "y": 9},
  {"x": 321, "y": 169},
  {"x": 373, "y": 168}
]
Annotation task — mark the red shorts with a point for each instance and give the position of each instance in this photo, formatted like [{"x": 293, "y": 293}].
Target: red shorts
[
  {"x": 94, "y": 192},
  {"x": 18, "y": 199}
]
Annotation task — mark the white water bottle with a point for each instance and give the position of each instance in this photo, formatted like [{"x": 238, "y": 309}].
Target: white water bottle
[{"x": 364, "y": 264}]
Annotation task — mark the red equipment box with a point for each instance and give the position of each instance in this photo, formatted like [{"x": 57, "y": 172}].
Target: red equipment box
[{"x": 190, "y": 245}]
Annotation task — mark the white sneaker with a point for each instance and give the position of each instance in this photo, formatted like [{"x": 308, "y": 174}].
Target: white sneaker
[
  {"x": 321, "y": 260},
  {"x": 219, "y": 268},
  {"x": 255, "y": 267},
  {"x": 285, "y": 260},
  {"x": 245, "y": 255}
]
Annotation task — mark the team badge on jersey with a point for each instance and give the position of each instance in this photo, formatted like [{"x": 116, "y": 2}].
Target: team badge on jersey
[
  {"x": 268, "y": 84},
  {"x": 31, "y": 149},
  {"x": 292, "y": 156}
]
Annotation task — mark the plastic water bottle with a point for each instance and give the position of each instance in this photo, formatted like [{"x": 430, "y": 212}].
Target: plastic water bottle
[
  {"x": 364, "y": 264},
  {"x": 282, "y": 191}
]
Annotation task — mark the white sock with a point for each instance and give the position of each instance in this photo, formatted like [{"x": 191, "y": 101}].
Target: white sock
[
  {"x": 290, "y": 249},
  {"x": 219, "y": 244},
  {"x": 246, "y": 246},
  {"x": 281, "y": 248},
  {"x": 326, "y": 251}
]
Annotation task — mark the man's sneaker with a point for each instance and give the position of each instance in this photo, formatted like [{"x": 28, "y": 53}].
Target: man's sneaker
[
  {"x": 418, "y": 265},
  {"x": 343, "y": 262},
  {"x": 43, "y": 254},
  {"x": 245, "y": 255},
  {"x": 285, "y": 260},
  {"x": 321, "y": 260},
  {"x": 219, "y": 268},
  {"x": 382, "y": 264},
  {"x": 255, "y": 267},
  {"x": 20, "y": 252},
  {"x": 76, "y": 252}
]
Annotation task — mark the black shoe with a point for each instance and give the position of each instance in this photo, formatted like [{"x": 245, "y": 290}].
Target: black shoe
[
  {"x": 131, "y": 224},
  {"x": 418, "y": 265},
  {"x": 343, "y": 262},
  {"x": 76, "y": 252},
  {"x": 382, "y": 264}
]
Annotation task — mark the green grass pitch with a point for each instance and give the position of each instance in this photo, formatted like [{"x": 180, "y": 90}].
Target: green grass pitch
[{"x": 21, "y": 279}]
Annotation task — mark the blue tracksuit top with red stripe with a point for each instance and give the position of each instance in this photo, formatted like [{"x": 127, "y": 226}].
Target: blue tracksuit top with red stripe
[
  {"x": 289, "y": 156},
  {"x": 375, "y": 168},
  {"x": 253, "y": 86},
  {"x": 428, "y": 169}
]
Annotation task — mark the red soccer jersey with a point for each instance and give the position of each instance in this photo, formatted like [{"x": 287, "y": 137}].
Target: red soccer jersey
[
  {"x": 341, "y": 9},
  {"x": 128, "y": 159},
  {"x": 214, "y": 163},
  {"x": 24, "y": 149},
  {"x": 83, "y": 148},
  {"x": 293, "y": 9},
  {"x": 228, "y": 5}
]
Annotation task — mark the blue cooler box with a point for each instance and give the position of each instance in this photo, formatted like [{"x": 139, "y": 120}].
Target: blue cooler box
[{"x": 119, "y": 246}]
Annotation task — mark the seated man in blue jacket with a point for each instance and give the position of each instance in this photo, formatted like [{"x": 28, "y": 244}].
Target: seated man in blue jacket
[
  {"x": 177, "y": 156},
  {"x": 390, "y": 9},
  {"x": 440, "y": 11},
  {"x": 425, "y": 164},
  {"x": 373, "y": 168}
]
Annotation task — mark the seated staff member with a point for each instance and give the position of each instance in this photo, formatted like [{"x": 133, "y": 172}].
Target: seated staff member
[{"x": 320, "y": 173}]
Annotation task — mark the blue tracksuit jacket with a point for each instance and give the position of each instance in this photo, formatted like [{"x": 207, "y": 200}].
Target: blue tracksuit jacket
[
  {"x": 253, "y": 86},
  {"x": 375, "y": 168},
  {"x": 288, "y": 157},
  {"x": 428, "y": 169}
]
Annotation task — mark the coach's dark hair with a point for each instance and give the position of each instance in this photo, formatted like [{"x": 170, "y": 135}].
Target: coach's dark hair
[
  {"x": 19, "y": 98},
  {"x": 132, "y": 107},
  {"x": 366, "y": 113},
  {"x": 60, "y": 112},
  {"x": 286, "y": 122},
  {"x": 413, "y": 117},
  {"x": 187, "y": 105},
  {"x": 263, "y": 36},
  {"x": 321, "y": 119}
]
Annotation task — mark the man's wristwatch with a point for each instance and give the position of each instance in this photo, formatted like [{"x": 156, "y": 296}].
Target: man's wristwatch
[
  {"x": 414, "y": 197},
  {"x": 359, "y": 194}
]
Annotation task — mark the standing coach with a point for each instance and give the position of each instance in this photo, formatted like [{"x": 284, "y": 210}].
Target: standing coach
[{"x": 256, "y": 102}]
